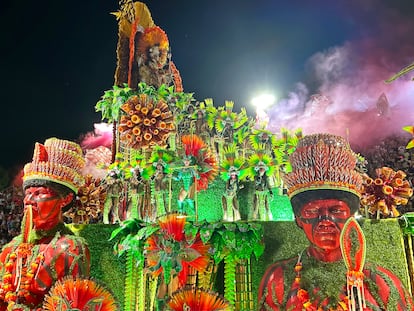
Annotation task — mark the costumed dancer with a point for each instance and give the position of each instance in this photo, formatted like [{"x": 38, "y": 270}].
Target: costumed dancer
[
  {"x": 45, "y": 251},
  {"x": 159, "y": 173},
  {"x": 187, "y": 175},
  {"x": 331, "y": 274},
  {"x": 136, "y": 188},
  {"x": 114, "y": 183},
  {"x": 231, "y": 169},
  {"x": 261, "y": 168},
  {"x": 199, "y": 167}
]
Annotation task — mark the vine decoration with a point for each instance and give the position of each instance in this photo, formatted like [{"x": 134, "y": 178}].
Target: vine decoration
[
  {"x": 232, "y": 242},
  {"x": 131, "y": 236}
]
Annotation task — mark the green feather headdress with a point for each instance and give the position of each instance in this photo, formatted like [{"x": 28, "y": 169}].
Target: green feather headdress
[
  {"x": 258, "y": 160},
  {"x": 232, "y": 163},
  {"x": 161, "y": 156}
]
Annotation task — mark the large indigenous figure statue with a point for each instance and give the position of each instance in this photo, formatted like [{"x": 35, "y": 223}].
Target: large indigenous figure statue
[
  {"x": 45, "y": 251},
  {"x": 330, "y": 274}
]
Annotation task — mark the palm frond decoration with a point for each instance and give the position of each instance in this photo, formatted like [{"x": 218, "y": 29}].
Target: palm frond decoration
[
  {"x": 402, "y": 72},
  {"x": 232, "y": 242},
  {"x": 211, "y": 111},
  {"x": 409, "y": 129},
  {"x": 131, "y": 235}
]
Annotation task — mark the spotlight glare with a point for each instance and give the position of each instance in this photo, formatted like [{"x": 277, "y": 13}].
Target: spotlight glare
[{"x": 263, "y": 101}]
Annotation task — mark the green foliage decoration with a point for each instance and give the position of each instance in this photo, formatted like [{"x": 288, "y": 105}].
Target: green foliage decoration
[
  {"x": 232, "y": 241},
  {"x": 112, "y": 100},
  {"x": 132, "y": 235}
]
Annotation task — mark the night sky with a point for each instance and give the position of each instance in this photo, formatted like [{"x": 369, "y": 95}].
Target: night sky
[{"x": 58, "y": 57}]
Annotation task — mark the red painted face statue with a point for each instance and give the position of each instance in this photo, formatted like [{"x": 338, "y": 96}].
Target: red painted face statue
[
  {"x": 322, "y": 222},
  {"x": 46, "y": 206}
]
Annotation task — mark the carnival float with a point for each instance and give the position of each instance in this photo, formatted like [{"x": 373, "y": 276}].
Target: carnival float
[{"x": 187, "y": 206}]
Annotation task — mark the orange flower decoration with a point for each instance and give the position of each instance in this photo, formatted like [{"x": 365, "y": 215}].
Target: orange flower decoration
[
  {"x": 171, "y": 252},
  {"x": 197, "y": 299},
  {"x": 145, "y": 123},
  {"x": 78, "y": 294}
]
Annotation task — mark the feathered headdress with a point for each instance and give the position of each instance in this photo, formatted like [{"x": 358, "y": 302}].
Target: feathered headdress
[
  {"x": 159, "y": 156},
  {"x": 323, "y": 161},
  {"x": 260, "y": 160},
  {"x": 260, "y": 136},
  {"x": 154, "y": 36},
  {"x": 323, "y": 166},
  {"x": 57, "y": 160},
  {"x": 232, "y": 163}
]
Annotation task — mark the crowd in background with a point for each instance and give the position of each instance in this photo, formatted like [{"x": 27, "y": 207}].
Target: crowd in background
[{"x": 11, "y": 213}]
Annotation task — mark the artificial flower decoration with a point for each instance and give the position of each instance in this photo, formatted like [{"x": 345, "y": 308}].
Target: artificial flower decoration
[
  {"x": 197, "y": 299},
  {"x": 382, "y": 196},
  {"x": 202, "y": 157},
  {"x": 171, "y": 251},
  {"x": 79, "y": 294},
  {"x": 89, "y": 203},
  {"x": 146, "y": 122}
]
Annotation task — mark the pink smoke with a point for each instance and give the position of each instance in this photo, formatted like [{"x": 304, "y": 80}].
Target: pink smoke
[
  {"x": 350, "y": 83},
  {"x": 101, "y": 136}
]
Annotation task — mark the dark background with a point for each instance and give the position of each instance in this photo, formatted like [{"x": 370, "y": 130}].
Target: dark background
[{"x": 58, "y": 57}]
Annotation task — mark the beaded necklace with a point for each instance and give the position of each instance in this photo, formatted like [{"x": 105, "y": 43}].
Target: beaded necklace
[{"x": 25, "y": 260}]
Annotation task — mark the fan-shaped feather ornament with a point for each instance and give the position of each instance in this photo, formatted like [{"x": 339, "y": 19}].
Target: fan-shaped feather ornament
[
  {"x": 79, "y": 294},
  {"x": 197, "y": 299},
  {"x": 202, "y": 157},
  {"x": 171, "y": 252}
]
